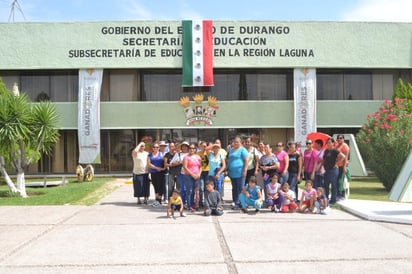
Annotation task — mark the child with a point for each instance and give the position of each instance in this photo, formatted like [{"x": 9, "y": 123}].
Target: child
[
  {"x": 321, "y": 203},
  {"x": 175, "y": 203},
  {"x": 213, "y": 201},
  {"x": 307, "y": 201},
  {"x": 251, "y": 196},
  {"x": 288, "y": 204},
  {"x": 273, "y": 197}
]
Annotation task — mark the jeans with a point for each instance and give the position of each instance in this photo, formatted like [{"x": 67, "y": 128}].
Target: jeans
[
  {"x": 190, "y": 185},
  {"x": 218, "y": 183},
  {"x": 247, "y": 201},
  {"x": 331, "y": 177},
  {"x": 237, "y": 185},
  {"x": 213, "y": 211},
  {"x": 340, "y": 177},
  {"x": 319, "y": 180},
  {"x": 203, "y": 180},
  {"x": 293, "y": 183},
  {"x": 284, "y": 178},
  {"x": 249, "y": 173},
  {"x": 181, "y": 186},
  {"x": 141, "y": 187}
]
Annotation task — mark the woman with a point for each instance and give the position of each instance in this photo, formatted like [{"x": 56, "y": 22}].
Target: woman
[
  {"x": 192, "y": 166},
  {"x": 294, "y": 167},
  {"x": 156, "y": 168},
  {"x": 309, "y": 159},
  {"x": 269, "y": 164},
  {"x": 238, "y": 160},
  {"x": 253, "y": 166},
  {"x": 331, "y": 159},
  {"x": 283, "y": 158},
  {"x": 204, "y": 150},
  {"x": 217, "y": 167},
  {"x": 141, "y": 187}
]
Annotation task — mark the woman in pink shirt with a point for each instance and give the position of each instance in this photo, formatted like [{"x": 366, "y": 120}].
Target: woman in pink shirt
[
  {"x": 192, "y": 166},
  {"x": 310, "y": 157},
  {"x": 283, "y": 158}
]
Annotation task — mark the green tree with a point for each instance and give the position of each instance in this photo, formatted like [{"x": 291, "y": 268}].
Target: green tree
[
  {"x": 26, "y": 131},
  {"x": 404, "y": 91},
  {"x": 385, "y": 140}
]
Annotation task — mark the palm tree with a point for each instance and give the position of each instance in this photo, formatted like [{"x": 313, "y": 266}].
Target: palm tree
[{"x": 26, "y": 131}]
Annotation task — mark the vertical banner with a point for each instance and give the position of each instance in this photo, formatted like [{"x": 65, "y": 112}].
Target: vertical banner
[
  {"x": 197, "y": 61},
  {"x": 90, "y": 82},
  {"x": 304, "y": 86}
]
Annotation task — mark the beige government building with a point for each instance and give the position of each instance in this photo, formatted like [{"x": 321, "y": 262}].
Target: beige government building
[{"x": 354, "y": 67}]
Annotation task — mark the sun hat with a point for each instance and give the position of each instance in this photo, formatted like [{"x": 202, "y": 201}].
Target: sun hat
[{"x": 184, "y": 144}]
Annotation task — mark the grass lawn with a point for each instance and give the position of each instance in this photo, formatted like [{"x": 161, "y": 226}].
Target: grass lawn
[
  {"x": 368, "y": 188},
  {"x": 73, "y": 193},
  {"x": 88, "y": 193},
  {"x": 365, "y": 188}
]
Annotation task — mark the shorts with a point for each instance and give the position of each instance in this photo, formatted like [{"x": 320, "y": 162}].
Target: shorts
[
  {"x": 288, "y": 207},
  {"x": 175, "y": 207},
  {"x": 306, "y": 203}
]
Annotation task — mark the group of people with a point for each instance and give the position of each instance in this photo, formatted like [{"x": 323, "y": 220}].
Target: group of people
[{"x": 191, "y": 175}]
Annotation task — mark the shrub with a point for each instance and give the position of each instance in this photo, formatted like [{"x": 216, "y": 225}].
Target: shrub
[{"x": 386, "y": 138}]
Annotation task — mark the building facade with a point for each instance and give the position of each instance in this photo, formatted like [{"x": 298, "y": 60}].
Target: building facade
[{"x": 356, "y": 66}]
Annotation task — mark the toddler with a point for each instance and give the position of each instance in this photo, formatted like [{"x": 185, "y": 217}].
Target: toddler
[{"x": 175, "y": 204}]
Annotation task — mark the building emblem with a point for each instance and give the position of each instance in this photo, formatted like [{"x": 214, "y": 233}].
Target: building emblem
[{"x": 199, "y": 112}]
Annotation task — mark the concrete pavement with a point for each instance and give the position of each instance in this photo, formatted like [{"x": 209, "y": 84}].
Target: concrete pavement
[{"x": 116, "y": 235}]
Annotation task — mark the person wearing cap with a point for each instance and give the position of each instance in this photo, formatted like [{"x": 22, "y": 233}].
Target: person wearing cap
[
  {"x": 251, "y": 196},
  {"x": 217, "y": 167},
  {"x": 178, "y": 159},
  {"x": 163, "y": 148},
  {"x": 173, "y": 168}
]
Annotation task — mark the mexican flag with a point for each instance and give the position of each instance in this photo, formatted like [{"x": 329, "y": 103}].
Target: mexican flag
[{"x": 197, "y": 53}]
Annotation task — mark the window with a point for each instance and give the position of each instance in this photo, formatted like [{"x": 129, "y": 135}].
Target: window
[
  {"x": 57, "y": 86},
  {"x": 344, "y": 86},
  {"x": 119, "y": 85},
  {"x": 229, "y": 85}
]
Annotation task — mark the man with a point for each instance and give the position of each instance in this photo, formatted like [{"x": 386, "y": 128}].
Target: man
[{"x": 344, "y": 149}]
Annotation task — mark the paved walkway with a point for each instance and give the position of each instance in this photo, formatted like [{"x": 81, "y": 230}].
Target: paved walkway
[{"x": 118, "y": 236}]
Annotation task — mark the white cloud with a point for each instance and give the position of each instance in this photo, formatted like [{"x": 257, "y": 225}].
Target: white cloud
[{"x": 381, "y": 10}]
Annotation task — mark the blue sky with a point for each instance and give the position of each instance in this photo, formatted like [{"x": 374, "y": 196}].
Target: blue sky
[{"x": 295, "y": 10}]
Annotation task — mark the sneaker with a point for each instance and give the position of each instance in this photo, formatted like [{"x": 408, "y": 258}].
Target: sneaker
[
  {"x": 243, "y": 210},
  {"x": 182, "y": 215},
  {"x": 192, "y": 209},
  {"x": 257, "y": 211},
  {"x": 155, "y": 204}
]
